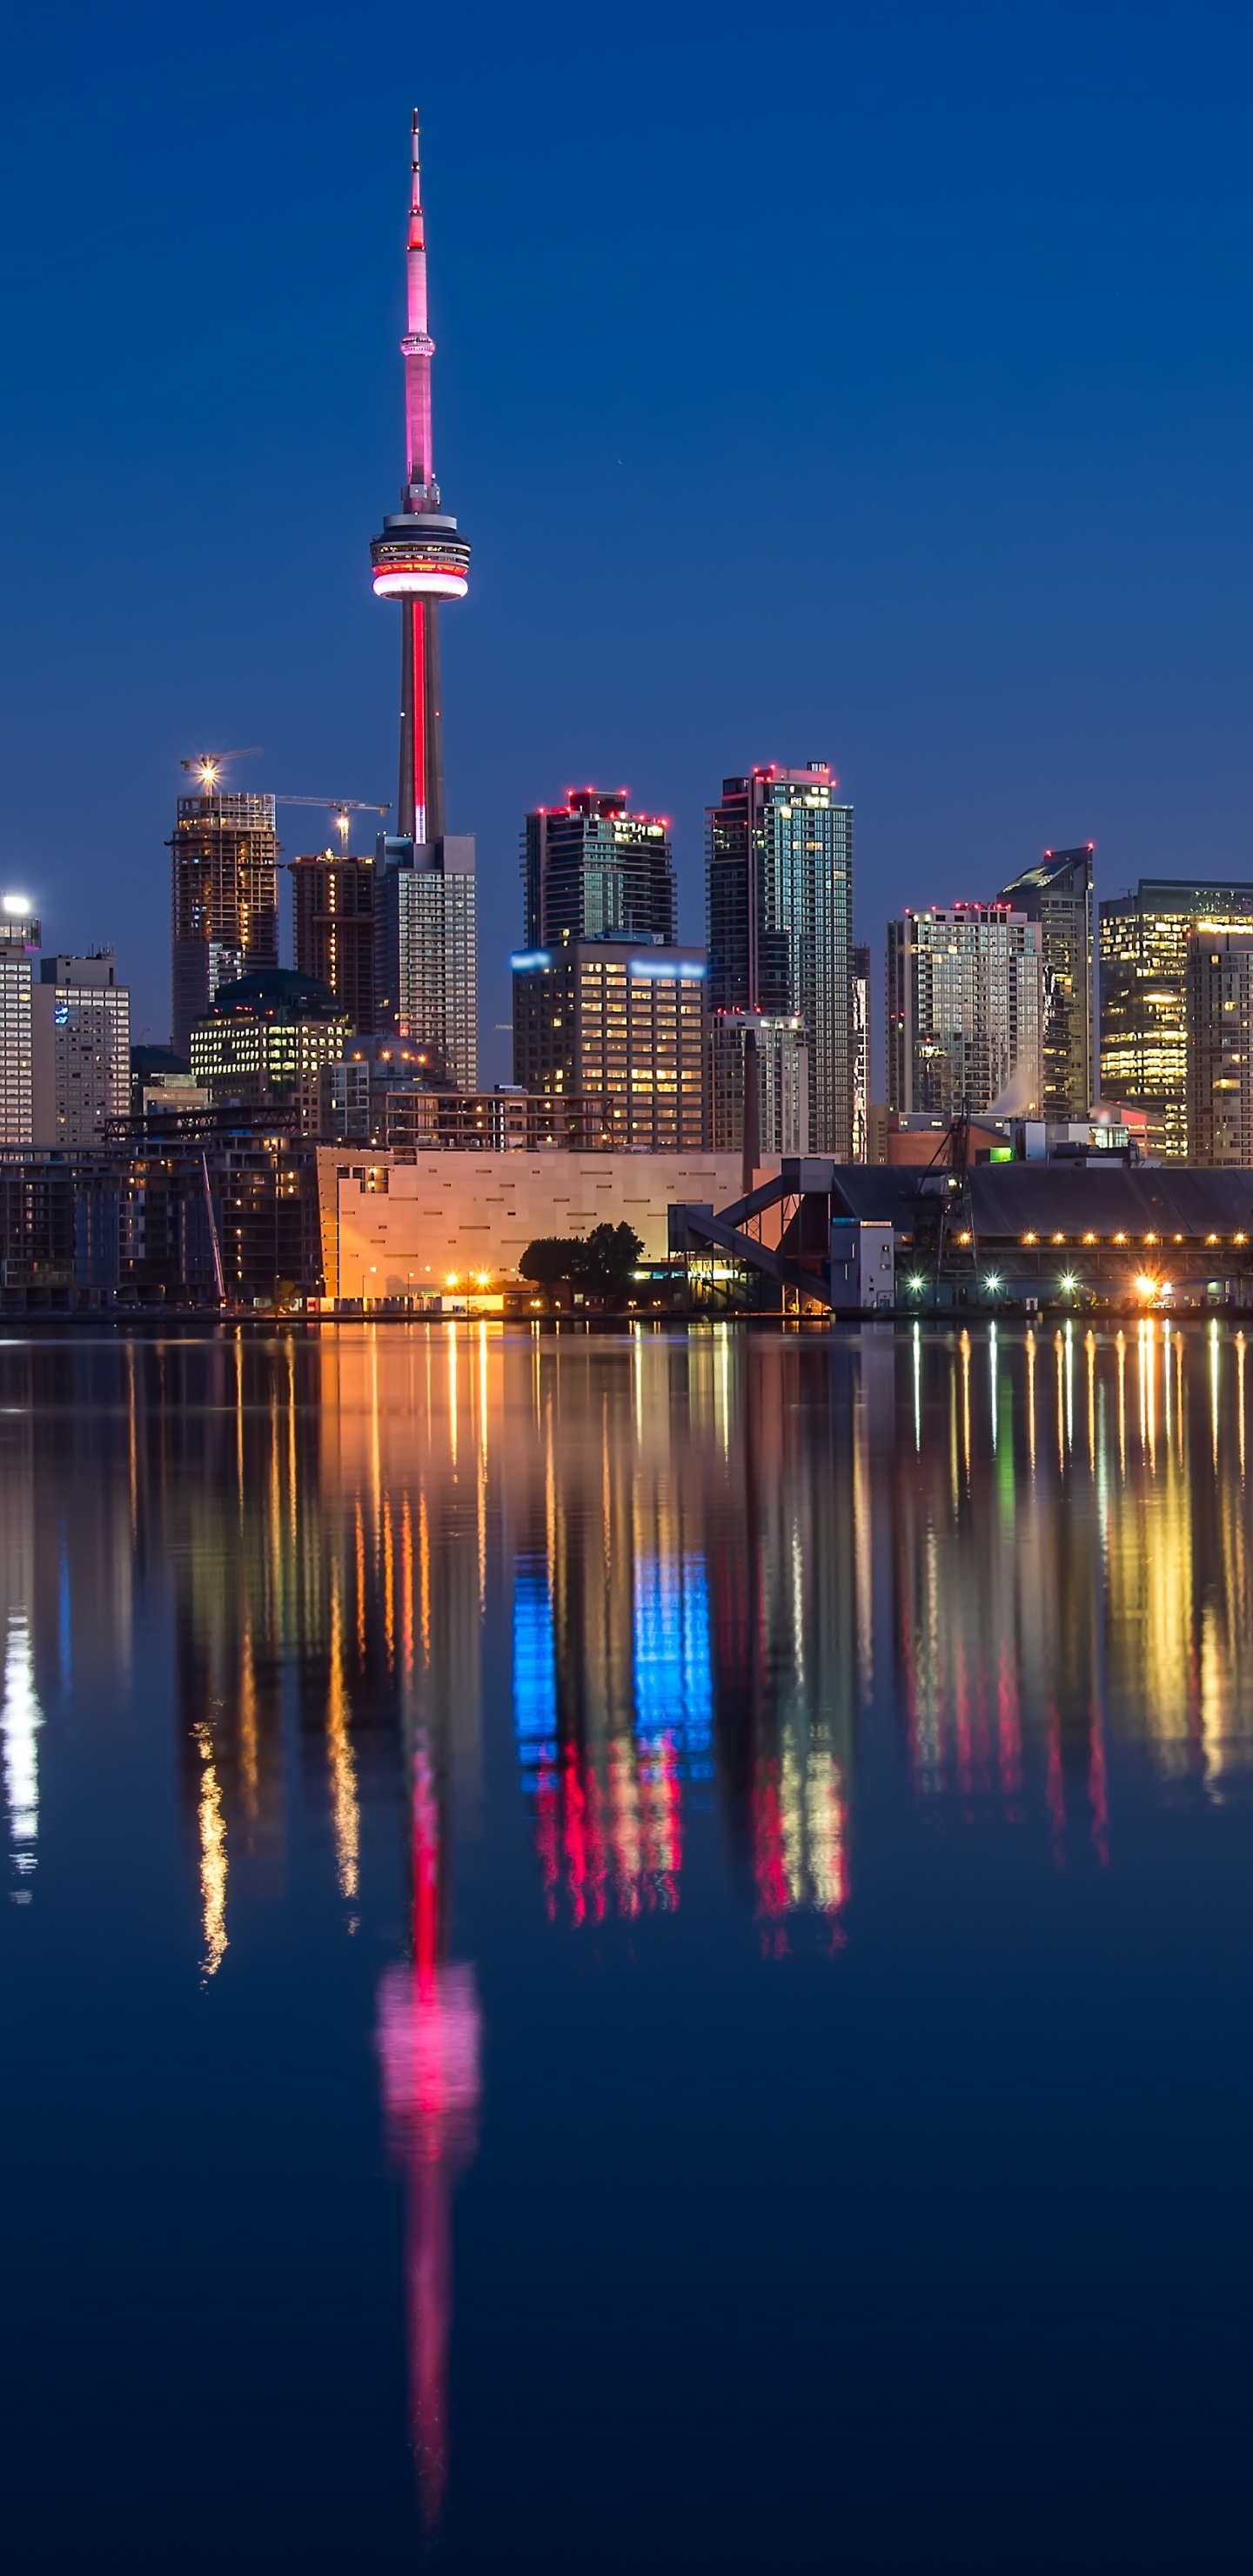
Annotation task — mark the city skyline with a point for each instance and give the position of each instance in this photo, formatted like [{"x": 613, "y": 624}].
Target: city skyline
[{"x": 929, "y": 464}]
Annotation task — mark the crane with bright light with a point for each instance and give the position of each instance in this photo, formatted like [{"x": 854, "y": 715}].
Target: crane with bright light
[
  {"x": 340, "y": 806},
  {"x": 207, "y": 766}
]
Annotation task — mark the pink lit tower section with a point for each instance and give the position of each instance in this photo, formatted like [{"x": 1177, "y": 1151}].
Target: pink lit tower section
[{"x": 419, "y": 559}]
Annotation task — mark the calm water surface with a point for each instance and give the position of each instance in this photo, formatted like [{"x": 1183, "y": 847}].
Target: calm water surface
[{"x": 628, "y": 1954}]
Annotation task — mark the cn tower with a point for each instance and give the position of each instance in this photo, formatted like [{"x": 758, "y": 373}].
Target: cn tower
[{"x": 419, "y": 559}]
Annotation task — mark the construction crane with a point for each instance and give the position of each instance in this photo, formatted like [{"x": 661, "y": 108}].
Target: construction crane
[
  {"x": 340, "y": 806},
  {"x": 208, "y": 765}
]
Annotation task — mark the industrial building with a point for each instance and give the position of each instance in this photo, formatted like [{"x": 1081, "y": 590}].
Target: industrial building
[{"x": 1066, "y": 1237}]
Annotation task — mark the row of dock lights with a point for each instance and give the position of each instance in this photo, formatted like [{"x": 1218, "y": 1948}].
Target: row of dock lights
[{"x": 992, "y": 1283}]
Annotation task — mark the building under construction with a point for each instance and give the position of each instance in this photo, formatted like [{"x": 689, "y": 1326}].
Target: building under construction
[{"x": 225, "y": 899}]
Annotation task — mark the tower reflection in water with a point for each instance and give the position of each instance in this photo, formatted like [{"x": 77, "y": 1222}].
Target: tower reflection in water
[{"x": 1021, "y": 1557}]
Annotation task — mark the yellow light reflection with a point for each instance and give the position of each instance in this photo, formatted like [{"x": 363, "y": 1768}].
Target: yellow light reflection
[{"x": 213, "y": 1863}]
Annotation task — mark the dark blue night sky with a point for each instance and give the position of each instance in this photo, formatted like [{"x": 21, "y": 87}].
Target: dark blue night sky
[{"x": 869, "y": 383}]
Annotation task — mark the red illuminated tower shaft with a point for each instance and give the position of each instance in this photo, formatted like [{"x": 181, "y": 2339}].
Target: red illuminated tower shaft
[
  {"x": 421, "y": 724},
  {"x": 419, "y": 559}
]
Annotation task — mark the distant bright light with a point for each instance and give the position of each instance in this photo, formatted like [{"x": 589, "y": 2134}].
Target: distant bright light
[
  {"x": 17, "y": 904},
  {"x": 1069, "y": 1281},
  {"x": 1146, "y": 1287},
  {"x": 917, "y": 1283},
  {"x": 992, "y": 1282}
]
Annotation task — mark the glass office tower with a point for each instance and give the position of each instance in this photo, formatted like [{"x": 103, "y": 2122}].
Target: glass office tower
[
  {"x": 780, "y": 922},
  {"x": 1058, "y": 894},
  {"x": 1144, "y": 1015}
]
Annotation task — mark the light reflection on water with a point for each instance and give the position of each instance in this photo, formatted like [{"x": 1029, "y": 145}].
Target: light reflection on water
[{"x": 718, "y": 1560}]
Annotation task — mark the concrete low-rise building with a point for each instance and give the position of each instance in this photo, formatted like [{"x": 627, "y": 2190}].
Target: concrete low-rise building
[{"x": 406, "y": 1229}]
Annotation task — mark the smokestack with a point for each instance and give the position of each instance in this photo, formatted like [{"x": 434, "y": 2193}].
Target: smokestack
[{"x": 750, "y": 1122}]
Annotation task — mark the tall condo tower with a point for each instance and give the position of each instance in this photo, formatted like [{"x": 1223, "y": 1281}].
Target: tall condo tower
[
  {"x": 425, "y": 896},
  {"x": 1144, "y": 994},
  {"x": 965, "y": 1011},
  {"x": 592, "y": 870},
  {"x": 1058, "y": 894},
  {"x": 419, "y": 559},
  {"x": 779, "y": 894}
]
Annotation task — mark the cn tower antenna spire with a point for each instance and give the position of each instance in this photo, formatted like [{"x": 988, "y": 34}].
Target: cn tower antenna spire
[
  {"x": 419, "y": 559},
  {"x": 421, "y": 490}
]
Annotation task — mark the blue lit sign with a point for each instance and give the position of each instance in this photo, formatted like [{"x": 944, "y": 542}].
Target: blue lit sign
[
  {"x": 689, "y": 968},
  {"x": 529, "y": 960}
]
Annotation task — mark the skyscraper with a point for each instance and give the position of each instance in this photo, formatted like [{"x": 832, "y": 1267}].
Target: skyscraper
[
  {"x": 781, "y": 1060},
  {"x": 427, "y": 949},
  {"x": 19, "y": 944},
  {"x": 1144, "y": 1013},
  {"x": 80, "y": 1049},
  {"x": 264, "y": 1040},
  {"x": 626, "y": 1022},
  {"x": 859, "y": 1043},
  {"x": 1220, "y": 1046},
  {"x": 780, "y": 915},
  {"x": 589, "y": 866},
  {"x": 425, "y": 959},
  {"x": 333, "y": 901},
  {"x": 964, "y": 1007},
  {"x": 1058, "y": 894},
  {"x": 225, "y": 889}
]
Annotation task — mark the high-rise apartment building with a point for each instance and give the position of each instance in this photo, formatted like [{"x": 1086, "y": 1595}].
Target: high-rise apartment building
[
  {"x": 965, "y": 992},
  {"x": 781, "y": 1061},
  {"x": 780, "y": 913},
  {"x": 333, "y": 905},
  {"x": 859, "y": 1043},
  {"x": 427, "y": 949},
  {"x": 590, "y": 868},
  {"x": 19, "y": 945},
  {"x": 1144, "y": 1011},
  {"x": 622, "y": 1020},
  {"x": 225, "y": 891},
  {"x": 263, "y": 1042},
  {"x": 80, "y": 1049},
  {"x": 1058, "y": 895},
  {"x": 1219, "y": 999}
]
